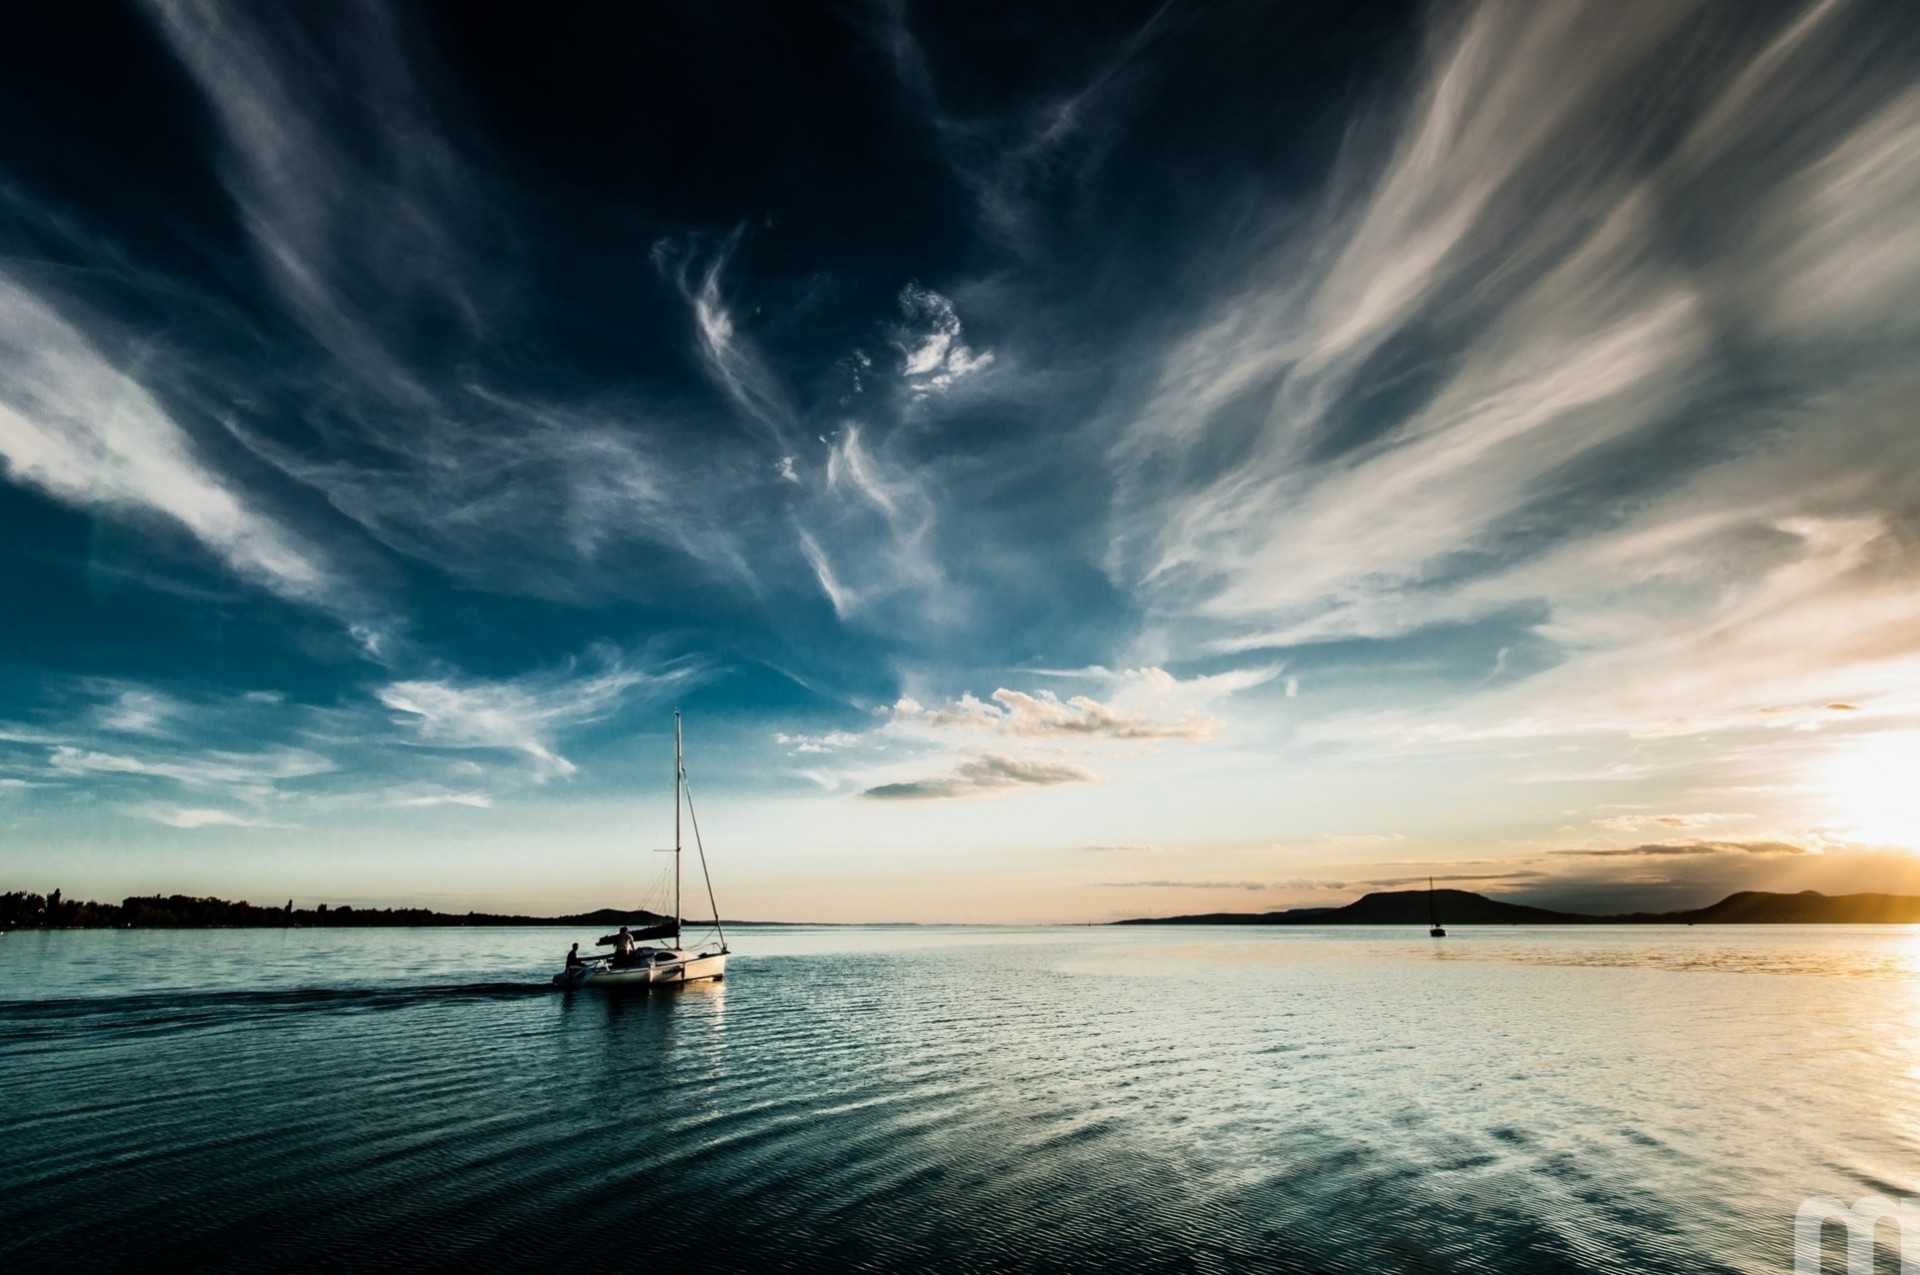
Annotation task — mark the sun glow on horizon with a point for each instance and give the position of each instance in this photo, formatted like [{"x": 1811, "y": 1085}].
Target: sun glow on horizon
[{"x": 1876, "y": 788}]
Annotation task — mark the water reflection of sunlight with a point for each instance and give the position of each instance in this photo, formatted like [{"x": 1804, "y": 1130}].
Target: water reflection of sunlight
[
  {"x": 711, "y": 997},
  {"x": 658, "y": 1024},
  {"x": 1873, "y": 786}
]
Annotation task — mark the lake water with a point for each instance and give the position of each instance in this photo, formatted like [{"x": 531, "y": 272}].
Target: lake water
[{"x": 1588, "y": 1099}]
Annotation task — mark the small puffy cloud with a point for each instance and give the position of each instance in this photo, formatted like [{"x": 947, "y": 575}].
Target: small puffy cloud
[
  {"x": 933, "y": 355},
  {"x": 1154, "y": 677},
  {"x": 372, "y": 639},
  {"x": 988, "y": 774}
]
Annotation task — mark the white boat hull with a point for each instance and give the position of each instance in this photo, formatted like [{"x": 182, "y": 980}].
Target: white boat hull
[
  {"x": 691, "y": 968},
  {"x": 666, "y": 968}
]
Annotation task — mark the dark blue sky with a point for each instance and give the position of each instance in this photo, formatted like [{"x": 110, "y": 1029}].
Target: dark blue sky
[{"x": 1463, "y": 435}]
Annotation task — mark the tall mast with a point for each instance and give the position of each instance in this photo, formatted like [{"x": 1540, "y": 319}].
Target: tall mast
[{"x": 679, "y": 774}]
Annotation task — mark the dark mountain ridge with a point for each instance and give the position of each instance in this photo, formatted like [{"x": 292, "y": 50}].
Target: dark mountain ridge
[{"x": 1463, "y": 907}]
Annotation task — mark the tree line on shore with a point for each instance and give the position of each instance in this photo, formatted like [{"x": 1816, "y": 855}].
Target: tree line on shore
[{"x": 20, "y": 910}]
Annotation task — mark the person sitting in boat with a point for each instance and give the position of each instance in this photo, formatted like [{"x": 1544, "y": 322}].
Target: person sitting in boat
[{"x": 573, "y": 957}]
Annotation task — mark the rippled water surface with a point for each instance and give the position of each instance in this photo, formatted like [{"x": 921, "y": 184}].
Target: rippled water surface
[{"x": 955, "y": 1099}]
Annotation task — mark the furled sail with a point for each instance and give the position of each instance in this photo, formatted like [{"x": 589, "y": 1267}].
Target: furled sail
[{"x": 665, "y": 930}]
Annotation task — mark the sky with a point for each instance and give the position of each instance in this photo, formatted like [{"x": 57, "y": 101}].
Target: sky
[{"x": 1066, "y": 462}]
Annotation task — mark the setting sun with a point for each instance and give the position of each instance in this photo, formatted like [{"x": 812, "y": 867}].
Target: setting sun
[{"x": 1874, "y": 789}]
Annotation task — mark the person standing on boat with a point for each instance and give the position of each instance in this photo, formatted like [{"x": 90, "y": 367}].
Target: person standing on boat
[{"x": 623, "y": 946}]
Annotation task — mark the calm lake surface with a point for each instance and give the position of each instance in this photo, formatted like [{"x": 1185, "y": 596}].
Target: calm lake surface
[{"x": 1630, "y": 1099}]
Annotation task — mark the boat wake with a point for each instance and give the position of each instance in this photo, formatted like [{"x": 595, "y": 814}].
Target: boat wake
[{"x": 152, "y": 1012}]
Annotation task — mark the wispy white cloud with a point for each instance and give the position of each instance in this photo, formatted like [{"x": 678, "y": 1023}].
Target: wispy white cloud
[
  {"x": 526, "y": 715},
  {"x": 844, "y": 601},
  {"x": 1160, "y": 685},
  {"x": 1848, "y": 247},
  {"x": 1629, "y": 420},
  {"x": 134, "y": 710},
  {"x": 247, "y": 772},
  {"x": 349, "y": 236},
  {"x": 477, "y": 800},
  {"x": 1583, "y": 363},
  {"x": 861, "y": 518},
  {"x": 868, "y": 535},
  {"x": 1664, "y": 849},
  {"x": 410, "y": 744},
  {"x": 1044, "y": 714},
  {"x": 1639, "y": 823},
  {"x": 520, "y": 496},
  {"x": 201, "y": 817},
  {"x": 363, "y": 212},
  {"x": 729, "y": 356},
  {"x": 89, "y": 434},
  {"x": 830, "y": 741},
  {"x": 1700, "y": 616},
  {"x": 1005, "y": 162}
]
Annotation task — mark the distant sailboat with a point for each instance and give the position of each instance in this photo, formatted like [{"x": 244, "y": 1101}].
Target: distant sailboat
[{"x": 1433, "y": 915}]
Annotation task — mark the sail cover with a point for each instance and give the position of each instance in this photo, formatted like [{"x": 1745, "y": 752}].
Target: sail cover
[{"x": 665, "y": 930}]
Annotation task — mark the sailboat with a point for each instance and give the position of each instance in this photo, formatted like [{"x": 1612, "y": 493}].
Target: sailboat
[
  {"x": 1433, "y": 915},
  {"x": 647, "y": 967}
]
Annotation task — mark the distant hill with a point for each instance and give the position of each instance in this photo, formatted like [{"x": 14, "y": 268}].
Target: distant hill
[
  {"x": 1393, "y": 907},
  {"x": 605, "y": 916},
  {"x": 1809, "y": 907},
  {"x": 1463, "y": 907},
  {"x": 20, "y": 911}
]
